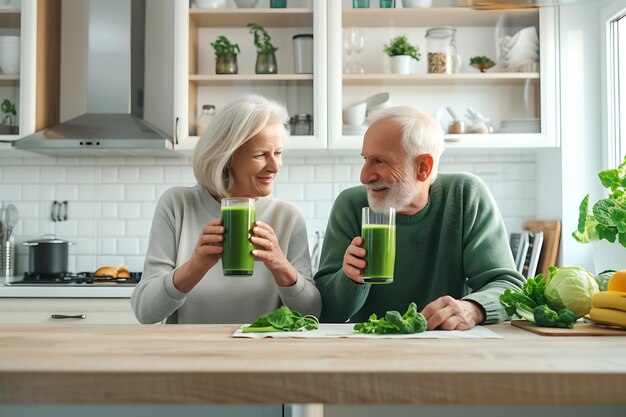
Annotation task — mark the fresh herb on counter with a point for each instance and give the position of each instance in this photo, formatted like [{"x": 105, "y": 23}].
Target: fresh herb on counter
[
  {"x": 282, "y": 320},
  {"x": 410, "y": 322}
]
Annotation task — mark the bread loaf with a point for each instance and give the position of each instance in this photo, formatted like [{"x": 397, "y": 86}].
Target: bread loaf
[
  {"x": 123, "y": 272},
  {"x": 106, "y": 271}
]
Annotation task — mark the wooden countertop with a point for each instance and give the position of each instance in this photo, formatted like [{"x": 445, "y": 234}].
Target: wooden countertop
[{"x": 203, "y": 364}]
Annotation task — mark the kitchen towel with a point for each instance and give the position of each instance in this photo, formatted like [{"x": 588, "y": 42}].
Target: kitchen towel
[{"x": 330, "y": 330}]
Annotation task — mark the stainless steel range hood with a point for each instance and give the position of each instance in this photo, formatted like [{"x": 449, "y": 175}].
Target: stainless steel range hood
[
  {"x": 102, "y": 85},
  {"x": 99, "y": 134}
]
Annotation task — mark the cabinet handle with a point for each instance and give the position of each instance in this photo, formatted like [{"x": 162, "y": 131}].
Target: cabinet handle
[
  {"x": 68, "y": 316},
  {"x": 176, "y": 131}
]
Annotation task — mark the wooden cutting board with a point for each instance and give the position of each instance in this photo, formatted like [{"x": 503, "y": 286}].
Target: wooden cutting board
[{"x": 580, "y": 329}]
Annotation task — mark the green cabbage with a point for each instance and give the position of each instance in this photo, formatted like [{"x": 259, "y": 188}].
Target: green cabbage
[
  {"x": 572, "y": 288},
  {"x": 603, "y": 279}
]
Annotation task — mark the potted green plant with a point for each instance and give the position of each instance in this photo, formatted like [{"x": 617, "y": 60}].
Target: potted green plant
[
  {"x": 8, "y": 118},
  {"x": 401, "y": 52},
  {"x": 265, "y": 58},
  {"x": 606, "y": 222},
  {"x": 481, "y": 63},
  {"x": 225, "y": 55}
]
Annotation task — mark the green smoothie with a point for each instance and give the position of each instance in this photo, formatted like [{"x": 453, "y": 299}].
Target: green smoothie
[
  {"x": 380, "y": 243},
  {"x": 237, "y": 257}
]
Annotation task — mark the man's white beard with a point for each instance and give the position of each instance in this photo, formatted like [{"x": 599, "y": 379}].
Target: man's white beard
[{"x": 399, "y": 196}]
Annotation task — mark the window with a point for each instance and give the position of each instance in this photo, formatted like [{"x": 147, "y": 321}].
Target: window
[{"x": 616, "y": 83}]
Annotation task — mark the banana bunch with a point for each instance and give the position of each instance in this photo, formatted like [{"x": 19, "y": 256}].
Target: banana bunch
[{"x": 609, "y": 307}]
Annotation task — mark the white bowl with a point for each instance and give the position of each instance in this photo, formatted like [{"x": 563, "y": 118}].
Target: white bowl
[
  {"x": 210, "y": 4},
  {"x": 246, "y": 4},
  {"x": 378, "y": 101},
  {"x": 416, "y": 3},
  {"x": 355, "y": 115}
]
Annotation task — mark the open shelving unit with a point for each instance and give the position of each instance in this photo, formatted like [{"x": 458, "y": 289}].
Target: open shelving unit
[
  {"x": 204, "y": 84},
  {"x": 497, "y": 93}
]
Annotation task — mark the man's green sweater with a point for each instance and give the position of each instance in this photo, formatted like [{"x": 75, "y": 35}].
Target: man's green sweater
[{"x": 456, "y": 245}]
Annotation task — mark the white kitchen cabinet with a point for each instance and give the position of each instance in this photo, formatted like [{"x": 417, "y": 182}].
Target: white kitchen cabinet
[
  {"x": 22, "y": 310},
  {"x": 301, "y": 93},
  {"x": 496, "y": 94},
  {"x": 19, "y": 88}
]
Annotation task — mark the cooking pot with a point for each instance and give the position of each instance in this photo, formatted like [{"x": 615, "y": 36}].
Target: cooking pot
[{"x": 48, "y": 255}]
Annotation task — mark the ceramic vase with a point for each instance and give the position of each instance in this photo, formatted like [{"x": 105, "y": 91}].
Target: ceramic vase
[
  {"x": 226, "y": 64},
  {"x": 266, "y": 63},
  {"x": 607, "y": 255},
  {"x": 401, "y": 64}
]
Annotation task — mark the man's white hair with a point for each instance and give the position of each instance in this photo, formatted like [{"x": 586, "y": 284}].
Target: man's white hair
[{"x": 421, "y": 133}]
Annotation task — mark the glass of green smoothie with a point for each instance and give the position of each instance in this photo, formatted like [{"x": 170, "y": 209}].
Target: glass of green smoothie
[
  {"x": 379, "y": 241},
  {"x": 238, "y": 217}
]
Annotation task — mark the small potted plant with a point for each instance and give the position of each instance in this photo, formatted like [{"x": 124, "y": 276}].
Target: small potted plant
[
  {"x": 8, "y": 118},
  {"x": 481, "y": 63},
  {"x": 265, "y": 58},
  {"x": 401, "y": 53},
  {"x": 225, "y": 55},
  {"x": 606, "y": 222}
]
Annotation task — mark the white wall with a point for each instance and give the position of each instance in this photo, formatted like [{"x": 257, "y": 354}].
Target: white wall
[
  {"x": 111, "y": 201},
  {"x": 581, "y": 129}
]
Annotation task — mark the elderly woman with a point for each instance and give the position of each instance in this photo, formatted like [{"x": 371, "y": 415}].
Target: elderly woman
[{"x": 239, "y": 155}]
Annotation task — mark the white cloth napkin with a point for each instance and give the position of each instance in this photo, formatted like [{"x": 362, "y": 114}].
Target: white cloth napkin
[{"x": 330, "y": 330}]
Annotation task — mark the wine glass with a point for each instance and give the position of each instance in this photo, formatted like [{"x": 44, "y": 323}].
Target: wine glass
[
  {"x": 349, "y": 47},
  {"x": 358, "y": 42}
]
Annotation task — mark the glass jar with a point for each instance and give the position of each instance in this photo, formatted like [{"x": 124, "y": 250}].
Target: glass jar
[
  {"x": 442, "y": 53},
  {"x": 208, "y": 110},
  {"x": 301, "y": 125}
]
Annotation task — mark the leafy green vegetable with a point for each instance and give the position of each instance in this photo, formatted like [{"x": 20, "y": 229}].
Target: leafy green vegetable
[
  {"x": 512, "y": 299},
  {"x": 570, "y": 287},
  {"x": 531, "y": 295},
  {"x": 282, "y": 320},
  {"x": 607, "y": 219},
  {"x": 525, "y": 312},
  {"x": 410, "y": 322},
  {"x": 602, "y": 279},
  {"x": 546, "y": 317}
]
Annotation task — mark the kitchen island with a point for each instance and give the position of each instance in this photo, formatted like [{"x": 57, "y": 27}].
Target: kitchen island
[{"x": 199, "y": 364}]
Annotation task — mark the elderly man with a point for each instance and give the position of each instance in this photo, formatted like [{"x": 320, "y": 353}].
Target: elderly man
[{"x": 452, "y": 258}]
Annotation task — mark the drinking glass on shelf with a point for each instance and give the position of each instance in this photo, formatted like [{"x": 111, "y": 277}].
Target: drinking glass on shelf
[
  {"x": 359, "y": 43},
  {"x": 353, "y": 41},
  {"x": 348, "y": 46}
]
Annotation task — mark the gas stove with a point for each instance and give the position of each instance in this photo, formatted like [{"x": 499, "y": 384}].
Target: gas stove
[{"x": 78, "y": 279}]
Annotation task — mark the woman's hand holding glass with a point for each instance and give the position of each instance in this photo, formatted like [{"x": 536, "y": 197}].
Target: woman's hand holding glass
[
  {"x": 208, "y": 248},
  {"x": 268, "y": 251}
]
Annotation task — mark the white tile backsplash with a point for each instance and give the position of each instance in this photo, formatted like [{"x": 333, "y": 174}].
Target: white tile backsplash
[{"x": 112, "y": 200}]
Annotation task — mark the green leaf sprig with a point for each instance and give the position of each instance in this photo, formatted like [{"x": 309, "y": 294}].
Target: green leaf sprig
[
  {"x": 282, "y": 319},
  {"x": 393, "y": 323},
  {"x": 262, "y": 39}
]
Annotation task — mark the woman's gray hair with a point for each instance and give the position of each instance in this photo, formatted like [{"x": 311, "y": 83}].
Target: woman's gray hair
[
  {"x": 230, "y": 128},
  {"x": 421, "y": 133}
]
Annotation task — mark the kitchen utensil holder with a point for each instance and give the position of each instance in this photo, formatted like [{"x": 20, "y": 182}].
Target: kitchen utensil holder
[{"x": 7, "y": 258}]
